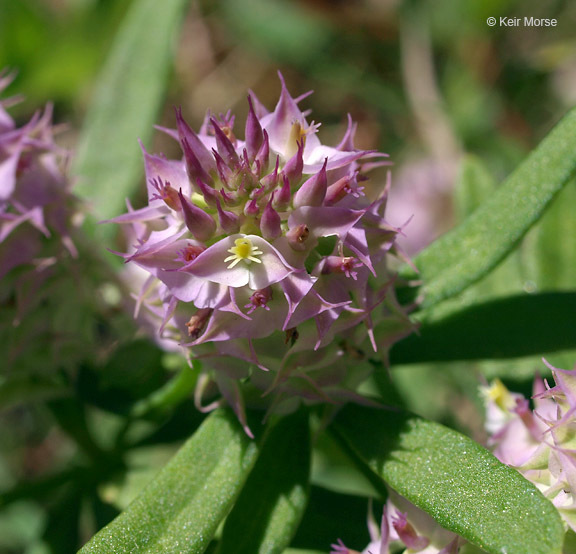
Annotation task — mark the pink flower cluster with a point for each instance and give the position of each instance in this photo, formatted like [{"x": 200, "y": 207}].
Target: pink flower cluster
[
  {"x": 405, "y": 528},
  {"x": 35, "y": 198},
  {"x": 540, "y": 443},
  {"x": 266, "y": 255}
]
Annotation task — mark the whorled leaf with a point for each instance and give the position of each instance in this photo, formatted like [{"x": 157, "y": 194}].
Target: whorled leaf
[{"x": 451, "y": 477}]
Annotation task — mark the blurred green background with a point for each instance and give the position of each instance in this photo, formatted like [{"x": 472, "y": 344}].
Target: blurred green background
[{"x": 428, "y": 82}]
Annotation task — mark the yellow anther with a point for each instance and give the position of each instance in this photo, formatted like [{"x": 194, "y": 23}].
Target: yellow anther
[
  {"x": 500, "y": 395},
  {"x": 243, "y": 250},
  {"x": 297, "y": 134}
]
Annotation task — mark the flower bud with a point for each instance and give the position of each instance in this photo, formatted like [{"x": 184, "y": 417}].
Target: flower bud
[
  {"x": 228, "y": 220},
  {"x": 254, "y": 135},
  {"x": 270, "y": 223},
  {"x": 224, "y": 172},
  {"x": 225, "y": 147},
  {"x": 199, "y": 223},
  {"x": 186, "y": 134},
  {"x": 282, "y": 199},
  {"x": 252, "y": 207},
  {"x": 293, "y": 168},
  {"x": 207, "y": 192},
  {"x": 193, "y": 166},
  {"x": 264, "y": 153},
  {"x": 271, "y": 180},
  {"x": 313, "y": 191}
]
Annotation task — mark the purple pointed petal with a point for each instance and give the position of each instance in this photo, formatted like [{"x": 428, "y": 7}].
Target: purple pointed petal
[
  {"x": 225, "y": 147},
  {"x": 150, "y": 213},
  {"x": 169, "y": 171},
  {"x": 279, "y": 122},
  {"x": 254, "y": 136},
  {"x": 199, "y": 149},
  {"x": 194, "y": 168},
  {"x": 159, "y": 251},
  {"x": 325, "y": 221}
]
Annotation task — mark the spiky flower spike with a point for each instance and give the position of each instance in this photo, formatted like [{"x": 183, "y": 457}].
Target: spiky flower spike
[
  {"x": 266, "y": 252},
  {"x": 540, "y": 443},
  {"x": 35, "y": 198}
]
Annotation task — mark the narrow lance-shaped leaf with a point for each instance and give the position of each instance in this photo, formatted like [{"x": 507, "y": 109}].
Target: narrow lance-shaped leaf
[
  {"x": 124, "y": 106},
  {"x": 510, "y": 327},
  {"x": 470, "y": 251},
  {"x": 474, "y": 185},
  {"x": 268, "y": 511},
  {"x": 180, "y": 510},
  {"x": 451, "y": 477},
  {"x": 554, "y": 248}
]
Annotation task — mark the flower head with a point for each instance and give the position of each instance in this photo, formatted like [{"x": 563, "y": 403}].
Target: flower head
[{"x": 266, "y": 238}]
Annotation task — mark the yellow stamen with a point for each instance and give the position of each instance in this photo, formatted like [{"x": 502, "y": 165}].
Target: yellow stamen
[
  {"x": 297, "y": 134},
  {"x": 243, "y": 250},
  {"x": 500, "y": 395}
]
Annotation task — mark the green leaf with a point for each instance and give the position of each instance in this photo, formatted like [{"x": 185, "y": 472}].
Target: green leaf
[
  {"x": 508, "y": 327},
  {"x": 470, "y": 251},
  {"x": 180, "y": 510},
  {"x": 272, "y": 503},
  {"x": 459, "y": 483},
  {"x": 124, "y": 106},
  {"x": 554, "y": 248},
  {"x": 474, "y": 185}
]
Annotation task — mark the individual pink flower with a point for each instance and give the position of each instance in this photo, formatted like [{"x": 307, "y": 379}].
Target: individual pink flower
[
  {"x": 540, "y": 443},
  {"x": 268, "y": 253}
]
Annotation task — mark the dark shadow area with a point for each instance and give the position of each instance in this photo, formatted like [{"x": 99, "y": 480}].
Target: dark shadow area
[{"x": 505, "y": 328}]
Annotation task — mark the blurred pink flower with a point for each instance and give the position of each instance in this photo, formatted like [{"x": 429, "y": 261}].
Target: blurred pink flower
[
  {"x": 540, "y": 443},
  {"x": 35, "y": 198},
  {"x": 405, "y": 528}
]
